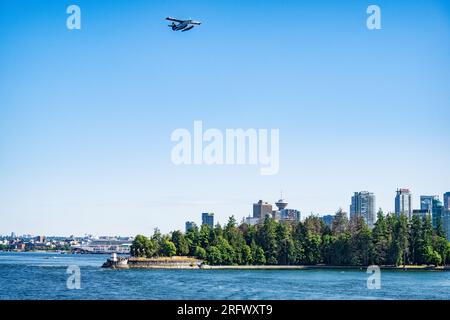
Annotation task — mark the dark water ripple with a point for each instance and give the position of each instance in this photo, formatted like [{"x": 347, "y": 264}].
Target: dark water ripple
[{"x": 43, "y": 276}]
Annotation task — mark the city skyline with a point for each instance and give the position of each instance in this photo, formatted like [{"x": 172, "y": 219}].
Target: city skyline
[
  {"x": 86, "y": 116},
  {"x": 363, "y": 202}
]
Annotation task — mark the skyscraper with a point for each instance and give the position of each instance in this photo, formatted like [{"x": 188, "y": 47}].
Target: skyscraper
[
  {"x": 261, "y": 209},
  {"x": 437, "y": 212},
  {"x": 328, "y": 219},
  {"x": 422, "y": 214},
  {"x": 446, "y": 223},
  {"x": 447, "y": 200},
  {"x": 208, "y": 219},
  {"x": 403, "y": 203},
  {"x": 441, "y": 215},
  {"x": 190, "y": 225},
  {"x": 426, "y": 202},
  {"x": 363, "y": 204}
]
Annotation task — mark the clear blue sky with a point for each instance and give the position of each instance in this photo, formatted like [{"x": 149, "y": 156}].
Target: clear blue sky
[{"x": 86, "y": 116}]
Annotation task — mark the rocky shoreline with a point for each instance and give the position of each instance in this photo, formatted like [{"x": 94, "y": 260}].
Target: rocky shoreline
[
  {"x": 153, "y": 263},
  {"x": 195, "y": 264}
]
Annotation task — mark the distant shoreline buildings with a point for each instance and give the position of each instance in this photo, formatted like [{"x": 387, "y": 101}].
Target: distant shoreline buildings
[
  {"x": 263, "y": 209},
  {"x": 87, "y": 244},
  {"x": 403, "y": 203},
  {"x": 363, "y": 203},
  {"x": 208, "y": 219}
]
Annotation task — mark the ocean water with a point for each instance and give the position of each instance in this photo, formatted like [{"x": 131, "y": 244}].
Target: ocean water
[{"x": 43, "y": 276}]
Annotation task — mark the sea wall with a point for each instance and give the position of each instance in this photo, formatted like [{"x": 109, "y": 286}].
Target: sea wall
[
  {"x": 193, "y": 263},
  {"x": 154, "y": 263}
]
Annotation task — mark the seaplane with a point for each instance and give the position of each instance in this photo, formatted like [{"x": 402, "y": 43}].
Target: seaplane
[{"x": 183, "y": 25}]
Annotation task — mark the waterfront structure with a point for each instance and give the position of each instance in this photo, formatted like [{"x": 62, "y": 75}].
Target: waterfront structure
[
  {"x": 281, "y": 204},
  {"x": 285, "y": 214},
  {"x": 426, "y": 202},
  {"x": 447, "y": 200},
  {"x": 403, "y": 203},
  {"x": 190, "y": 225},
  {"x": 104, "y": 245},
  {"x": 363, "y": 204},
  {"x": 261, "y": 209},
  {"x": 208, "y": 219}
]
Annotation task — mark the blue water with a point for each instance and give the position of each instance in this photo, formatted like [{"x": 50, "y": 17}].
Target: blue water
[{"x": 43, "y": 276}]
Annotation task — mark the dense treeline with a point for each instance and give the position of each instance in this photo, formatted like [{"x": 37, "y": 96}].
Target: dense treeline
[{"x": 393, "y": 241}]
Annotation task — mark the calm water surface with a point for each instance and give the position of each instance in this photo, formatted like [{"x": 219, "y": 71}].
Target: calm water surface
[{"x": 43, "y": 276}]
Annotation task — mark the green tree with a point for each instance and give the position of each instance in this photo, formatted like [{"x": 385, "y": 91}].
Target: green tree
[
  {"x": 192, "y": 239},
  {"x": 204, "y": 236},
  {"x": 266, "y": 238},
  {"x": 227, "y": 252},
  {"x": 394, "y": 254},
  {"x": 427, "y": 241},
  {"x": 394, "y": 240},
  {"x": 213, "y": 255},
  {"x": 200, "y": 253},
  {"x": 259, "y": 257},
  {"x": 299, "y": 238},
  {"x": 168, "y": 248},
  {"x": 181, "y": 243},
  {"x": 142, "y": 247},
  {"x": 441, "y": 247},
  {"x": 311, "y": 240},
  {"x": 157, "y": 239},
  {"x": 360, "y": 244},
  {"x": 440, "y": 228},
  {"x": 403, "y": 233},
  {"x": 340, "y": 222},
  {"x": 432, "y": 257},
  {"x": 416, "y": 240},
  {"x": 247, "y": 257},
  {"x": 380, "y": 240},
  {"x": 286, "y": 249}
]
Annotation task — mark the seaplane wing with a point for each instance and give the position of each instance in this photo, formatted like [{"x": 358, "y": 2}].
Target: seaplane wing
[
  {"x": 174, "y": 20},
  {"x": 195, "y": 22}
]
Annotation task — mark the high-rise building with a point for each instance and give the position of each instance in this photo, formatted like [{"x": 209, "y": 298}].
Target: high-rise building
[
  {"x": 446, "y": 223},
  {"x": 285, "y": 214},
  {"x": 190, "y": 225},
  {"x": 328, "y": 219},
  {"x": 290, "y": 215},
  {"x": 251, "y": 221},
  {"x": 363, "y": 204},
  {"x": 208, "y": 219},
  {"x": 261, "y": 209},
  {"x": 437, "y": 212},
  {"x": 403, "y": 203},
  {"x": 39, "y": 239},
  {"x": 441, "y": 214},
  {"x": 447, "y": 200},
  {"x": 421, "y": 213},
  {"x": 426, "y": 202}
]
